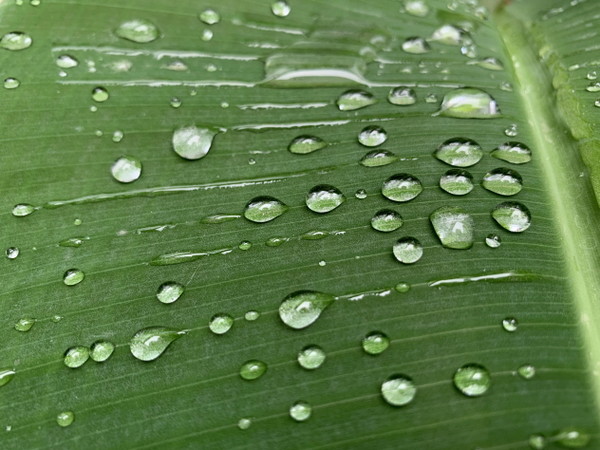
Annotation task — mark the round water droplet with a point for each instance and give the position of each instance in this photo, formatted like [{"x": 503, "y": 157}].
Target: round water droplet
[
  {"x": 402, "y": 287},
  {"x": 73, "y": 277},
  {"x": 56, "y": 318},
  {"x": 386, "y": 220},
  {"x": 537, "y": 441},
  {"x": 6, "y": 375},
  {"x": 207, "y": 35},
  {"x": 264, "y": 209},
  {"x": 360, "y": 194},
  {"x": 280, "y": 8},
  {"x": 354, "y": 99},
  {"x": 76, "y": 356},
  {"x": 209, "y": 16},
  {"x": 244, "y": 423},
  {"x": 459, "y": 152},
  {"x": 220, "y": 323},
  {"x": 402, "y": 96},
  {"x": 99, "y": 94},
  {"x": 408, "y": 250},
  {"x": 592, "y": 75},
  {"x": 416, "y": 8},
  {"x": 169, "y": 292},
  {"x": 513, "y": 152},
  {"x": 66, "y": 62},
  {"x": 23, "y": 209},
  {"x": 251, "y": 316},
  {"x": 11, "y": 83},
  {"x": 16, "y": 40},
  {"x": 512, "y": 216},
  {"x": 572, "y": 438},
  {"x": 398, "y": 390},
  {"x": 511, "y": 130},
  {"x": 597, "y": 103},
  {"x": 305, "y": 144},
  {"x": 300, "y": 411},
  {"x": 65, "y": 418},
  {"x": 472, "y": 380},
  {"x": 375, "y": 343},
  {"x": 449, "y": 35},
  {"x": 324, "y": 198},
  {"x": 503, "y": 181},
  {"x": 453, "y": 226},
  {"x": 138, "y": 30},
  {"x": 593, "y": 87},
  {"x": 372, "y": 136},
  {"x": 245, "y": 245},
  {"x": 457, "y": 182},
  {"x": 149, "y": 343},
  {"x": 117, "y": 136},
  {"x": 193, "y": 143},
  {"x": 311, "y": 357},
  {"x": 378, "y": 158},
  {"x": 401, "y": 187},
  {"x": 469, "y": 103},
  {"x": 100, "y": 351},
  {"x": 12, "y": 252},
  {"x": 416, "y": 46},
  {"x": 126, "y": 169},
  {"x": 431, "y": 98},
  {"x": 253, "y": 369},
  {"x": 493, "y": 241},
  {"x": 175, "y": 102},
  {"x": 526, "y": 371},
  {"x": 24, "y": 324},
  {"x": 302, "y": 308}
]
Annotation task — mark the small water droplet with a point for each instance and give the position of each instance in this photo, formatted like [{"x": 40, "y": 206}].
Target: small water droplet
[
  {"x": 469, "y": 103},
  {"x": 302, "y": 308},
  {"x": 126, "y": 169},
  {"x": 169, "y": 292},
  {"x": 360, "y": 194},
  {"x": 354, "y": 99},
  {"x": 511, "y": 130},
  {"x": 510, "y": 324},
  {"x": 209, "y": 16},
  {"x": 276, "y": 241},
  {"x": 220, "y": 323},
  {"x": 207, "y": 35},
  {"x": 416, "y": 8},
  {"x": 526, "y": 371},
  {"x": 12, "y": 252},
  {"x": 408, "y": 250},
  {"x": 572, "y": 438},
  {"x": 117, "y": 136},
  {"x": 245, "y": 245},
  {"x": 506, "y": 86},
  {"x": 372, "y": 136},
  {"x": 56, "y": 318},
  {"x": 65, "y": 418},
  {"x": 11, "y": 83},
  {"x": 6, "y": 375},
  {"x": 138, "y": 30},
  {"x": 512, "y": 152},
  {"x": 449, "y": 35},
  {"x": 401, "y": 187},
  {"x": 25, "y": 324},
  {"x": 149, "y": 343},
  {"x": 416, "y": 45},
  {"x": 99, "y": 94},
  {"x": 398, "y": 390},
  {"x": 280, "y": 8},
  {"x": 251, "y": 316},
  {"x": 512, "y": 216},
  {"x": 459, "y": 152},
  {"x": 402, "y": 287},
  {"x": 493, "y": 241},
  {"x": 300, "y": 411},
  {"x": 100, "y": 351},
  {"x": 537, "y": 441},
  {"x": 311, "y": 357},
  {"x": 76, "y": 356},
  {"x": 490, "y": 63},
  {"x": 593, "y": 87},
  {"x": 193, "y": 143},
  {"x": 66, "y": 62},
  {"x": 375, "y": 343},
  {"x": 453, "y": 226},
  {"x": 324, "y": 198},
  {"x": 305, "y": 144},
  {"x": 23, "y": 209},
  {"x": 597, "y": 103},
  {"x": 73, "y": 277},
  {"x": 592, "y": 75},
  {"x": 244, "y": 423},
  {"x": 175, "y": 102},
  {"x": 386, "y": 220},
  {"x": 457, "y": 182},
  {"x": 402, "y": 96},
  {"x": 472, "y": 380},
  {"x": 378, "y": 158},
  {"x": 253, "y": 369},
  {"x": 431, "y": 98},
  {"x": 16, "y": 40},
  {"x": 264, "y": 209},
  {"x": 503, "y": 181}
]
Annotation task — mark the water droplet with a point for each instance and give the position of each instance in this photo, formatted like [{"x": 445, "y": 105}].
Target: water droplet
[
  {"x": 408, "y": 250},
  {"x": 572, "y": 438},
  {"x": 66, "y": 62},
  {"x": 453, "y": 226},
  {"x": 126, "y": 169},
  {"x": 402, "y": 287},
  {"x": 593, "y": 87},
  {"x": 472, "y": 380},
  {"x": 378, "y": 158},
  {"x": 24, "y": 324},
  {"x": 193, "y": 143},
  {"x": 386, "y": 220},
  {"x": 592, "y": 75},
  {"x": 305, "y": 144},
  {"x": 220, "y": 323},
  {"x": 513, "y": 152},
  {"x": 73, "y": 277},
  {"x": 35, "y": 2},
  {"x": 324, "y": 198},
  {"x": 510, "y": 324},
  {"x": 117, "y": 136},
  {"x": 431, "y": 98},
  {"x": 526, "y": 371},
  {"x": 209, "y": 16},
  {"x": 149, "y": 343},
  {"x": 23, "y": 209},
  {"x": 490, "y": 63},
  {"x": 459, "y": 152},
  {"x": 101, "y": 350},
  {"x": 251, "y": 316},
  {"x": 493, "y": 241},
  {"x": 512, "y": 216},
  {"x": 372, "y": 136},
  {"x": 403, "y": 96},
  {"x": 12, "y": 252},
  {"x": 415, "y": 45},
  {"x": 448, "y": 35},
  {"x": 506, "y": 86},
  {"x": 597, "y": 103},
  {"x": 398, "y": 390},
  {"x": 302, "y": 308},
  {"x": 99, "y": 94},
  {"x": 169, "y": 292},
  {"x": 457, "y": 182},
  {"x": 469, "y": 103},
  {"x": 375, "y": 343},
  {"x": 253, "y": 369},
  {"x": 138, "y": 30},
  {"x": 354, "y": 99},
  {"x": 511, "y": 130},
  {"x": 244, "y": 423},
  {"x": 73, "y": 242},
  {"x": 401, "y": 187},
  {"x": 416, "y": 8},
  {"x": 503, "y": 181},
  {"x": 300, "y": 411},
  {"x": 65, "y": 418},
  {"x": 76, "y": 356},
  {"x": 276, "y": 241},
  {"x": 207, "y": 35},
  {"x": 6, "y": 375},
  {"x": 56, "y": 318},
  {"x": 360, "y": 194},
  {"x": 16, "y": 40},
  {"x": 264, "y": 209},
  {"x": 311, "y": 357},
  {"x": 175, "y": 102},
  {"x": 11, "y": 83},
  {"x": 537, "y": 441},
  {"x": 245, "y": 245},
  {"x": 280, "y": 8}
]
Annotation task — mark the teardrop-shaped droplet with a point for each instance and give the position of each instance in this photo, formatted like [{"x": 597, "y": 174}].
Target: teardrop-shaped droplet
[
  {"x": 73, "y": 277},
  {"x": 398, "y": 390},
  {"x": 280, "y": 8},
  {"x": 25, "y": 324},
  {"x": 493, "y": 241},
  {"x": 449, "y": 35},
  {"x": 253, "y": 369},
  {"x": 100, "y": 94},
  {"x": 354, "y": 99},
  {"x": 416, "y": 46},
  {"x": 457, "y": 182},
  {"x": 526, "y": 371},
  {"x": 469, "y": 103},
  {"x": 76, "y": 356},
  {"x": 12, "y": 252},
  {"x": 23, "y": 209},
  {"x": 408, "y": 250},
  {"x": 100, "y": 351},
  {"x": 169, "y": 292},
  {"x": 126, "y": 169},
  {"x": 402, "y": 96},
  {"x": 503, "y": 181},
  {"x": 510, "y": 324},
  {"x": 324, "y": 198},
  {"x": 65, "y": 418},
  {"x": 372, "y": 136},
  {"x": 149, "y": 343},
  {"x": 302, "y": 308},
  {"x": 401, "y": 187},
  {"x": 305, "y": 144},
  {"x": 453, "y": 226},
  {"x": 16, "y": 40},
  {"x": 417, "y": 8},
  {"x": 209, "y": 16},
  {"x": 459, "y": 152},
  {"x": 512, "y": 216},
  {"x": 6, "y": 375},
  {"x": 300, "y": 411},
  {"x": 66, "y": 62},
  {"x": 375, "y": 343},
  {"x": 220, "y": 323},
  {"x": 264, "y": 209},
  {"x": 512, "y": 152},
  {"x": 138, "y": 30},
  {"x": 311, "y": 357},
  {"x": 572, "y": 438},
  {"x": 192, "y": 142},
  {"x": 472, "y": 380}
]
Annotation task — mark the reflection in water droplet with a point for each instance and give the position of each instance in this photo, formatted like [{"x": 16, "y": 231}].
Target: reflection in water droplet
[
  {"x": 457, "y": 182},
  {"x": 526, "y": 371},
  {"x": 100, "y": 351},
  {"x": 300, "y": 411},
  {"x": 472, "y": 380},
  {"x": 372, "y": 136},
  {"x": 193, "y": 143},
  {"x": 99, "y": 94},
  {"x": 209, "y": 16},
  {"x": 12, "y": 252},
  {"x": 360, "y": 194},
  {"x": 65, "y": 418},
  {"x": 493, "y": 241},
  {"x": 416, "y": 8},
  {"x": 324, "y": 198},
  {"x": 415, "y": 45},
  {"x": 511, "y": 130},
  {"x": 398, "y": 390},
  {"x": 311, "y": 357},
  {"x": 169, "y": 292},
  {"x": 512, "y": 216},
  {"x": 6, "y": 375},
  {"x": 401, "y": 187},
  {"x": 459, "y": 152},
  {"x": 305, "y": 144},
  {"x": 251, "y": 316},
  {"x": 220, "y": 323},
  {"x": 402, "y": 287},
  {"x": 73, "y": 277},
  {"x": 469, "y": 103},
  {"x": 264, "y": 209},
  {"x": 244, "y": 423},
  {"x": 175, "y": 102},
  {"x": 593, "y": 87},
  {"x": 378, "y": 158},
  {"x": 572, "y": 438},
  {"x": 11, "y": 83},
  {"x": 354, "y": 99},
  {"x": 66, "y": 62},
  {"x": 513, "y": 152},
  {"x": 448, "y": 35},
  {"x": 503, "y": 181},
  {"x": 149, "y": 343},
  {"x": 23, "y": 209},
  {"x": 138, "y": 30},
  {"x": 402, "y": 96},
  {"x": 76, "y": 356},
  {"x": 302, "y": 308},
  {"x": 276, "y": 241},
  {"x": 15, "y": 40},
  {"x": 280, "y": 8},
  {"x": 375, "y": 343},
  {"x": 386, "y": 220},
  {"x": 126, "y": 169},
  {"x": 453, "y": 226},
  {"x": 408, "y": 250},
  {"x": 253, "y": 369},
  {"x": 117, "y": 136},
  {"x": 510, "y": 324},
  {"x": 24, "y": 324}
]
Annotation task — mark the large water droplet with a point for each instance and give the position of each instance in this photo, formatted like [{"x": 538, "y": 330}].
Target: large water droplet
[
  {"x": 209, "y": 16},
  {"x": 415, "y": 45},
  {"x": 472, "y": 380},
  {"x": 302, "y": 308},
  {"x": 398, "y": 390},
  {"x": 300, "y": 411},
  {"x": 169, "y": 292},
  {"x": 253, "y": 369},
  {"x": 149, "y": 343},
  {"x": 16, "y": 40},
  {"x": 25, "y": 324},
  {"x": 220, "y": 323},
  {"x": 453, "y": 226},
  {"x": 138, "y": 30},
  {"x": 510, "y": 324},
  {"x": 378, "y": 158},
  {"x": 305, "y": 144},
  {"x": 12, "y": 252},
  {"x": 457, "y": 182},
  {"x": 408, "y": 250},
  {"x": 66, "y": 62},
  {"x": 354, "y": 99},
  {"x": 403, "y": 96},
  {"x": 76, "y": 356},
  {"x": 23, "y": 209},
  {"x": 526, "y": 371},
  {"x": 280, "y": 8},
  {"x": 6, "y": 375},
  {"x": 126, "y": 169},
  {"x": 459, "y": 152},
  {"x": 386, "y": 220},
  {"x": 65, "y": 418},
  {"x": 513, "y": 152},
  {"x": 503, "y": 181},
  {"x": 311, "y": 357},
  {"x": 264, "y": 209},
  {"x": 193, "y": 143},
  {"x": 372, "y": 136},
  {"x": 572, "y": 438},
  {"x": 375, "y": 343},
  {"x": 401, "y": 187},
  {"x": 100, "y": 351},
  {"x": 324, "y": 198},
  {"x": 512, "y": 216},
  {"x": 73, "y": 277},
  {"x": 469, "y": 103}
]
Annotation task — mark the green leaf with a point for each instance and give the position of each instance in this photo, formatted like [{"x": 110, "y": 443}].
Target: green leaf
[{"x": 225, "y": 227}]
